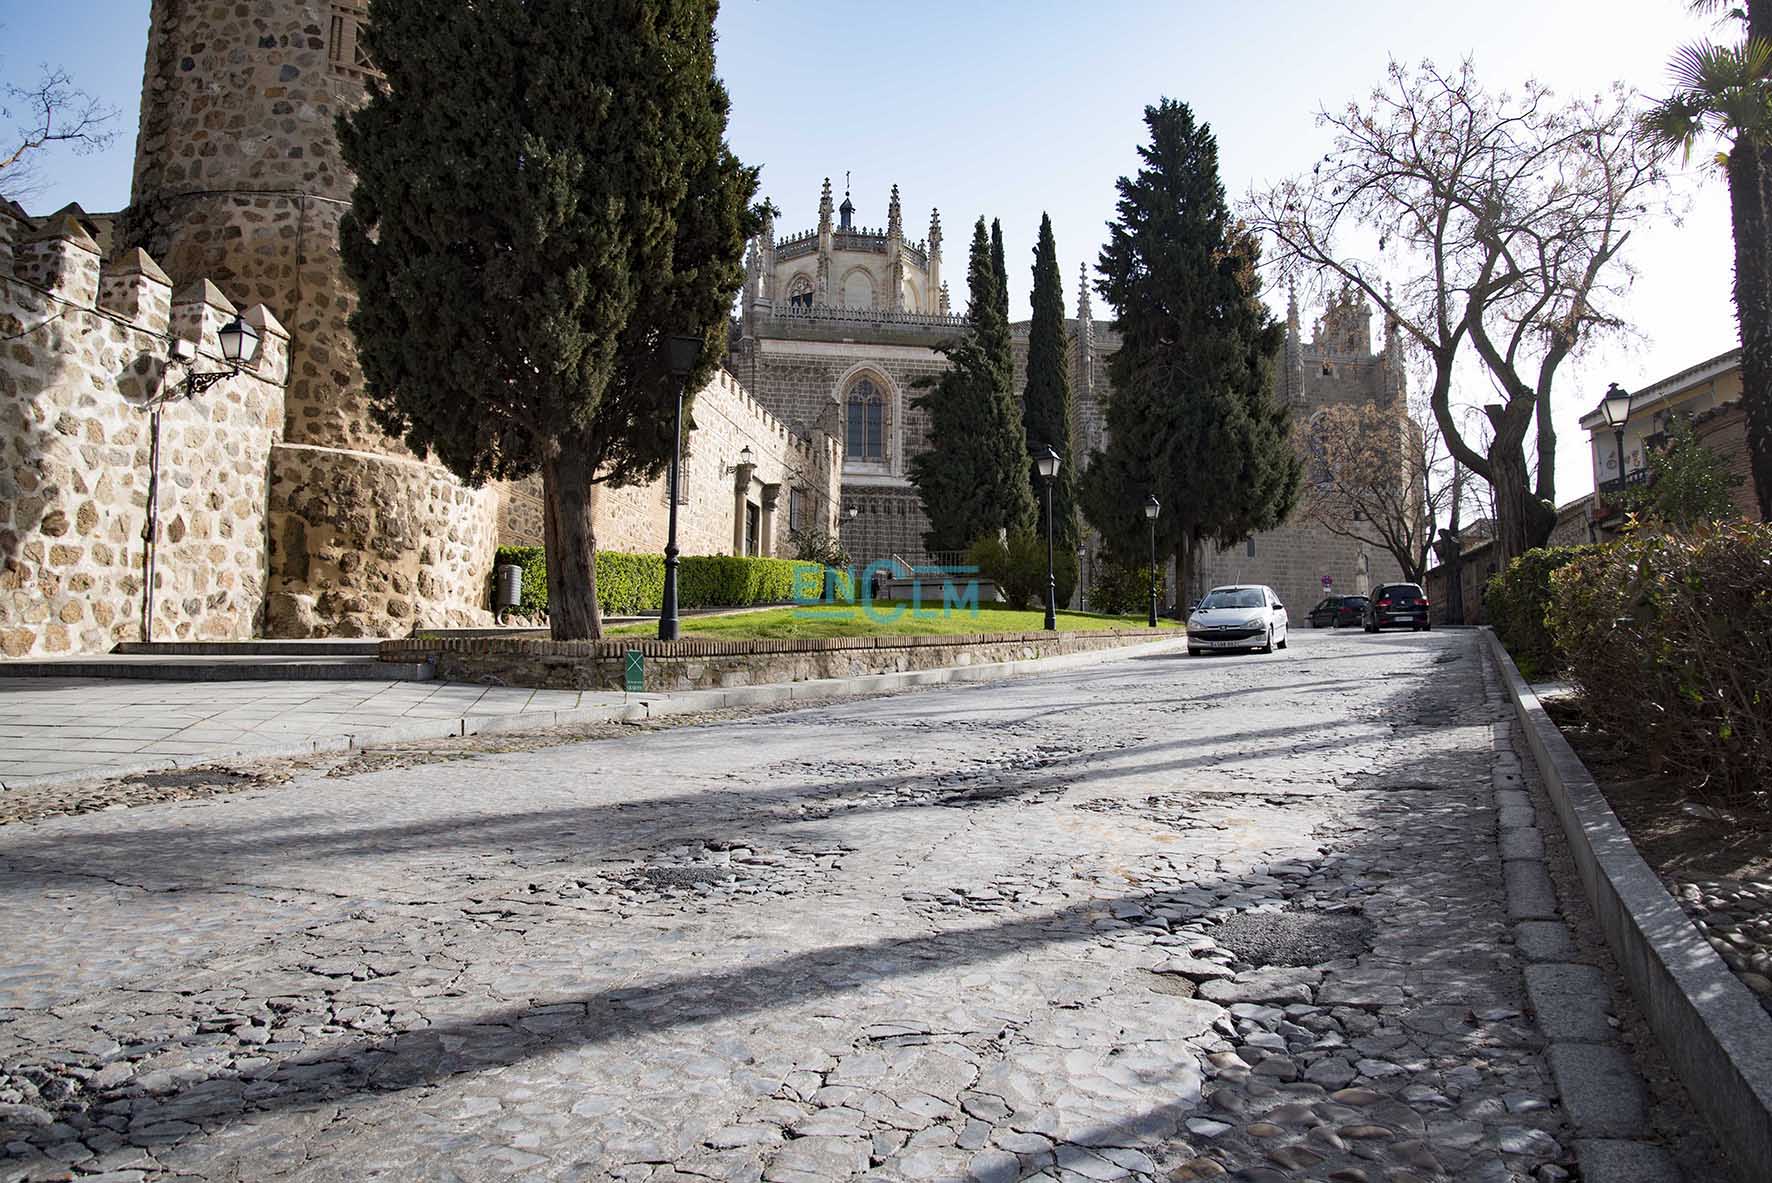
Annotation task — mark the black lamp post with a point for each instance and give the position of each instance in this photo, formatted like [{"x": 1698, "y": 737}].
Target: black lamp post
[
  {"x": 239, "y": 342},
  {"x": 1153, "y": 507},
  {"x": 682, "y": 354},
  {"x": 1047, "y": 462},
  {"x": 1616, "y": 409}
]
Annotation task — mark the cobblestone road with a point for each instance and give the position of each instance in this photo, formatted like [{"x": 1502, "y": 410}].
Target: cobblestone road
[{"x": 1162, "y": 918}]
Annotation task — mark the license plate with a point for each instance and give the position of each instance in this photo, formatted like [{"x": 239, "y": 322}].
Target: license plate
[{"x": 1224, "y": 644}]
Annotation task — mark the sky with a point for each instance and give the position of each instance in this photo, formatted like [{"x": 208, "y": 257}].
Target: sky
[{"x": 1010, "y": 109}]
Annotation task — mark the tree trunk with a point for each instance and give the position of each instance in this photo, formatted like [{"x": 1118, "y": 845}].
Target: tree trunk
[
  {"x": 1753, "y": 312},
  {"x": 1521, "y": 520},
  {"x": 569, "y": 532}
]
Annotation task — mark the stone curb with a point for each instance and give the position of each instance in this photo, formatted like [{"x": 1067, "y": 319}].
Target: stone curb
[
  {"x": 633, "y": 708},
  {"x": 1714, "y": 1032}
]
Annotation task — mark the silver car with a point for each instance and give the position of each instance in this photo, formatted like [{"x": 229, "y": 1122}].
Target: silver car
[{"x": 1241, "y": 616}]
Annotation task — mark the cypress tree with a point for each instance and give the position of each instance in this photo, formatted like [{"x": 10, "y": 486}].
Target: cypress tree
[
  {"x": 973, "y": 479},
  {"x": 1047, "y": 407},
  {"x": 1191, "y": 416},
  {"x": 1000, "y": 269},
  {"x": 543, "y": 193}
]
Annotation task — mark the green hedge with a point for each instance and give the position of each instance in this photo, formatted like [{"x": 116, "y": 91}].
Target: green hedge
[
  {"x": 1018, "y": 568},
  {"x": 1121, "y": 589},
  {"x": 1516, "y": 601},
  {"x": 1668, "y": 638},
  {"x": 628, "y": 584}
]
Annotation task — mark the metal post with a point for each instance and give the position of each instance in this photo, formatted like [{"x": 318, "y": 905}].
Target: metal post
[
  {"x": 1618, "y": 432},
  {"x": 1153, "y": 617},
  {"x": 1051, "y": 580},
  {"x": 668, "y": 624},
  {"x": 151, "y": 528}
]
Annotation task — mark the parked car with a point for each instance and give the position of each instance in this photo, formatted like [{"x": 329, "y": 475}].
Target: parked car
[
  {"x": 1394, "y": 605},
  {"x": 1353, "y": 611},
  {"x": 1245, "y": 616},
  {"x": 1323, "y": 615},
  {"x": 1335, "y": 611}
]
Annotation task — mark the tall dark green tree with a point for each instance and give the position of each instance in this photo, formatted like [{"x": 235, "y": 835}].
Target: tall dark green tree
[
  {"x": 1191, "y": 416},
  {"x": 973, "y": 479},
  {"x": 1000, "y": 269},
  {"x": 544, "y": 193},
  {"x": 1047, "y": 407}
]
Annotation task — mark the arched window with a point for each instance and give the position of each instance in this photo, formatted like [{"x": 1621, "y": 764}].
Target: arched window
[
  {"x": 864, "y": 433},
  {"x": 800, "y": 290}
]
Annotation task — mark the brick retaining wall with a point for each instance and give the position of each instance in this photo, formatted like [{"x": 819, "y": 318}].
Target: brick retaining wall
[{"x": 703, "y": 665}]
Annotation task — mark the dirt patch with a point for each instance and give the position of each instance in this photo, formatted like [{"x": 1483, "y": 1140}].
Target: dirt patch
[{"x": 1678, "y": 831}]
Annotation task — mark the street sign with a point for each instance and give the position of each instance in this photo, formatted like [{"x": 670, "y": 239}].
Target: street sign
[
  {"x": 636, "y": 671},
  {"x": 1328, "y": 583}
]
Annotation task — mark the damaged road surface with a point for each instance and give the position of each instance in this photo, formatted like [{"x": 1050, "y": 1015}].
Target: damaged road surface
[{"x": 1156, "y": 918}]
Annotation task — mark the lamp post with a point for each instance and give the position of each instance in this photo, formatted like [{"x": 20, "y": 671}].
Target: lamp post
[
  {"x": 239, "y": 342},
  {"x": 1153, "y": 507},
  {"x": 1616, "y": 409},
  {"x": 1047, "y": 462},
  {"x": 682, "y": 355}
]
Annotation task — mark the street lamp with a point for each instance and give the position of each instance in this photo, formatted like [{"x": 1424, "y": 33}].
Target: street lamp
[
  {"x": 1616, "y": 409},
  {"x": 1153, "y": 507},
  {"x": 239, "y": 342},
  {"x": 1047, "y": 462},
  {"x": 682, "y": 354}
]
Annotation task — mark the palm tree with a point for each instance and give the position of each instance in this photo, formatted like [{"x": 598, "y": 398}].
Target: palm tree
[{"x": 1725, "y": 92}]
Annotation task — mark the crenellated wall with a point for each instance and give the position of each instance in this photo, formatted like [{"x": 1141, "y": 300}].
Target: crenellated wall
[{"x": 87, "y": 349}]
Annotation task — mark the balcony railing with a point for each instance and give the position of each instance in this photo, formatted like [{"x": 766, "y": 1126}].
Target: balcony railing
[{"x": 1638, "y": 477}]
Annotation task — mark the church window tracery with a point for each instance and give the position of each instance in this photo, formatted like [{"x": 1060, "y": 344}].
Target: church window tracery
[
  {"x": 864, "y": 435},
  {"x": 800, "y": 291}
]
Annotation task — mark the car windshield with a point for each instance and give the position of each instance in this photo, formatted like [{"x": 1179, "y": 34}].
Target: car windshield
[
  {"x": 1232, "y": 597},
  {"x": 1401, "y": 591}
]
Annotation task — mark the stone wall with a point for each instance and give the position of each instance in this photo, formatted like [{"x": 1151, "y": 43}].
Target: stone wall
[
  {"x": 701, "y": 665},
  {"x": 791, "y": 477},
  {"x": 86, "y": 350},
  {"x": 364, "y": 545},
  {"x": 1293, "y": 560},
  {"x": 1724, "y": 431}
]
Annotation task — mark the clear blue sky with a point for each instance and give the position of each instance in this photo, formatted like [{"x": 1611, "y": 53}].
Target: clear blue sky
[{"x": 1011, "y": 109}]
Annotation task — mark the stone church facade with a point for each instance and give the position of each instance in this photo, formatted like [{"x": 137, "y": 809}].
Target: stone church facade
[
  {"x": 838, "y": 324},
  {"x": 1338, "y": 365}
]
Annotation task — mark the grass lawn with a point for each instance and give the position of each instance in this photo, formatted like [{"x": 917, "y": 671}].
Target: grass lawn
[{"x": 881, "y": 619}]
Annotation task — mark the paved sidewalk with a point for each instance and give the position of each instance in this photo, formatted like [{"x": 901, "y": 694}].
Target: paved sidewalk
[{"x": 60, "y": 728}]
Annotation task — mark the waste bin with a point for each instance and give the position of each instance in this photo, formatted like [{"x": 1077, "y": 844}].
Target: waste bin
[{"x": 507, "y": 586}]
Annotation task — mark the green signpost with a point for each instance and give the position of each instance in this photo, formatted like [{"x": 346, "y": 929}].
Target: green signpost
[{"x": 636, "y": 671}]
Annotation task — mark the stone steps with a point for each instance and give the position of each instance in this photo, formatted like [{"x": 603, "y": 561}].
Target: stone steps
[
  {"x": 206, "y": 668},
  {"x": 330, "y": 647}
]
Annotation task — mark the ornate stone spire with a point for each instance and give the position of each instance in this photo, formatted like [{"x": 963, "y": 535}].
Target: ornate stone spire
[
  {"x": 1082, "y": 384},
  {"x": 824, "y": 208},
  {"x": 894, "y": 216},
  {"x": 895, "y": 277},
  {"x": 824, "y": 244},
  {"x": 1292, "y": 377},
  {"x": 946, "y": 303},
  {"x": 934, "y": 235}
]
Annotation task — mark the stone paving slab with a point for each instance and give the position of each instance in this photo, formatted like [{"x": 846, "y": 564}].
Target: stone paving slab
[{"x": 1160, "y": 919}]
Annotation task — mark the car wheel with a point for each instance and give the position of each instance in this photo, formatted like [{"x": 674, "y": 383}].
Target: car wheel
[
  {"x": 1269, "y": 647},
  {"x": 1193, "y": 651},
  {"x": 1282, "y": 643},
  {"x": 1427, "y": 628},
  {"x": 1371, "y": 628}
]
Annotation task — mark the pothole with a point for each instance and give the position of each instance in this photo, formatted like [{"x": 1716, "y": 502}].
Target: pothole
[{"x": 1293, "y": 938}]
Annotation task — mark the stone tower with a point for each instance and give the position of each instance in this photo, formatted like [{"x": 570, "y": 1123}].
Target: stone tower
[{"x": 238, "y": 178}]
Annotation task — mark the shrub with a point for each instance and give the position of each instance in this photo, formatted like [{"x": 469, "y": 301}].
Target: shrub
[
  {"x": 1668, "y": 639},
  {"x": 1122, "y": 589},
  {"x": 1515, "y": 602},
  {"x": 628, "y": 584},
  {"x": 1018, "y": 567}
]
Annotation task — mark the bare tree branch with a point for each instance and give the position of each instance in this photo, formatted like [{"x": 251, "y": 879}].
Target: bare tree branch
[
  {"x": 1499, "y": 220},
  {"x": 49, "y": 112}
]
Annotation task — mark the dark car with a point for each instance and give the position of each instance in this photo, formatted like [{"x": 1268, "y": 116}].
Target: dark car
[
  {"x": 1323, "y": 615},
  {"x": 1396, "y": 605}
]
